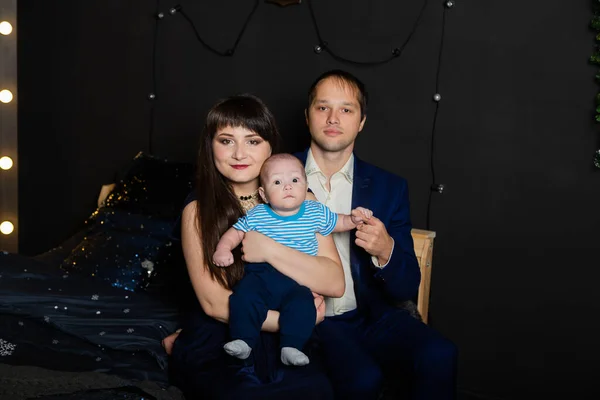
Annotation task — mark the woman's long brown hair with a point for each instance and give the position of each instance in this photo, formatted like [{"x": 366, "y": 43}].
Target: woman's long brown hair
[{"x": 218, "y": 206}]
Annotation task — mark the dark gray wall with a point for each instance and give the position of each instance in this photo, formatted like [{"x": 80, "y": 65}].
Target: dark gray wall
[{"x": 516, "y": 257}]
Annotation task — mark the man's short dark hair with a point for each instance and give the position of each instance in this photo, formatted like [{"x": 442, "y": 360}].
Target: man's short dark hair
[{"x": 346, "y": 78}]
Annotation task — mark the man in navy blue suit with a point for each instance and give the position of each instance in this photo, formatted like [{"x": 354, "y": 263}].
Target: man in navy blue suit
[{"x": 366, "y": 338}]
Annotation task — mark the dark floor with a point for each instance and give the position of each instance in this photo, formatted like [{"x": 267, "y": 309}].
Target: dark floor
[{"x": 467, "y": 395}]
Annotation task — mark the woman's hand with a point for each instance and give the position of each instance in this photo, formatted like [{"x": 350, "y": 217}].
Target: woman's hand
[
  {"x": 256, "y": 247},
  {"x": 320, "y": 307}
]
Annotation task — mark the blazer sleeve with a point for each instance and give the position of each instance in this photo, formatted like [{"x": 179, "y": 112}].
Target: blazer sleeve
[{"x": 401, "y": 276}]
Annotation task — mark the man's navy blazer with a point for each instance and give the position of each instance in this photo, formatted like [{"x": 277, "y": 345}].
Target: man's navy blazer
[{"x": 378, "y": 290}]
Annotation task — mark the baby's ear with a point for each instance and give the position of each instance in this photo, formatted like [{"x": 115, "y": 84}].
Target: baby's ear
[{"x": 261, "y": 192}]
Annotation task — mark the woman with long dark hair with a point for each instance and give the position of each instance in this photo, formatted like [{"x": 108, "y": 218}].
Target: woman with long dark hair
[{"x": 240, "y": 133}]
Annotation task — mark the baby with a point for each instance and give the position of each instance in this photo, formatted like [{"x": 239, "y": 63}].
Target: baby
[{"x": 288, "y": 218}]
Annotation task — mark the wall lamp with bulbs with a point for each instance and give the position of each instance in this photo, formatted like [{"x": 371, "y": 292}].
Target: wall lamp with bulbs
[{"x": 9, "y": 201}]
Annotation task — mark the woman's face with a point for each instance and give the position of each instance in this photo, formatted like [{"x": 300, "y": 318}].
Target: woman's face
[{"x": 239, "y": 154}]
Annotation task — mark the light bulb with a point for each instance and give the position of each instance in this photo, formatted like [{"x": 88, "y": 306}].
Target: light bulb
[
  {"x": 7, "y": 227},
  {"x": 5, "y": 28},
  {"x": 6, "y": 163},
  {"x": 6, "y": 96}
]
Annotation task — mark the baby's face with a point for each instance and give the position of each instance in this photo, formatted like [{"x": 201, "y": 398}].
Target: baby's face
[{"x": 285, "y": 185}]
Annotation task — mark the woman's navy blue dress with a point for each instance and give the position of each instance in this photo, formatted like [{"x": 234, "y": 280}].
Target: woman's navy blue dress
[{"x": 202, "y": 370}]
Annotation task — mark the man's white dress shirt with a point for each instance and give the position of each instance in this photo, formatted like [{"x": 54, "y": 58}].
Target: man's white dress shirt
[{"x": 339, "y": 200}]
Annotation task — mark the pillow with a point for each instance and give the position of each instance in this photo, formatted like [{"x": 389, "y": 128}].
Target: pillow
[
  {"x": 128, "y": 240},
  {"x": 152, "y": 186}
]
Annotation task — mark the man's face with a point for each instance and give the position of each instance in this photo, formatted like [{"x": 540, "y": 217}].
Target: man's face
[
  {"x": 284, "y": 186},
  {"x": 333, "y": 118}
]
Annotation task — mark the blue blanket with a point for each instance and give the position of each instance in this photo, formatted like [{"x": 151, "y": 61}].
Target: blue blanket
[{"x": 70, "y": 322}]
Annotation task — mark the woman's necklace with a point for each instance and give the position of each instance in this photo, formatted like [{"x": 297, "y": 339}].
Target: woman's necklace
[{"x": 250, "y": 201}]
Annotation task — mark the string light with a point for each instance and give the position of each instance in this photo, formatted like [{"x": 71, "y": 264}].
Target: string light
[
  {"x": 6, "y": 163},
  {"x": 6, "y": 96},
  {"x": 227, "y": 53},
  {"x": 395, "y": 53},
  {"x": 7, "y": 227},
  {"x": 5, "y": 28},
  {"x": 318, "y": 49},
  {"x": 437, "y": 97}
]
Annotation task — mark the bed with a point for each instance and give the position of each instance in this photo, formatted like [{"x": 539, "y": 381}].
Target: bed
[{"x": 85, "y": 320}]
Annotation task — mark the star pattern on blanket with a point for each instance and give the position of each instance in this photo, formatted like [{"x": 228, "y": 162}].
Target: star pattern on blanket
[
  {"x": 148, "y": 265},
  {"x": 6, "y": 348},
  {"x": 57, "y": 319}
]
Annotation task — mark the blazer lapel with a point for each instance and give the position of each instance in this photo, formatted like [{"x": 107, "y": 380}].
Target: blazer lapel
[
  {"x": 360, "y": 185},
  {"x": 360, "y": 197}
]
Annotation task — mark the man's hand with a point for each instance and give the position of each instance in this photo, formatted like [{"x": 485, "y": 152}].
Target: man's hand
[
  {"x": 320, "y": 307},
  {"x": 374, "y": 238},
  {"x": 360, "y": 215},
  {"x": 256, "y": 247}
]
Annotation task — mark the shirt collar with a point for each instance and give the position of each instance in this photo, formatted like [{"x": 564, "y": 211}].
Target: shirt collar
[{"x": 347, "y": 170}]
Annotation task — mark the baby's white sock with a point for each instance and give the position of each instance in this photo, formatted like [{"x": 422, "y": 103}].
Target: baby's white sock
[
  {"x": 292, "y": 356},
  {"x": 238, "y": 348}
]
